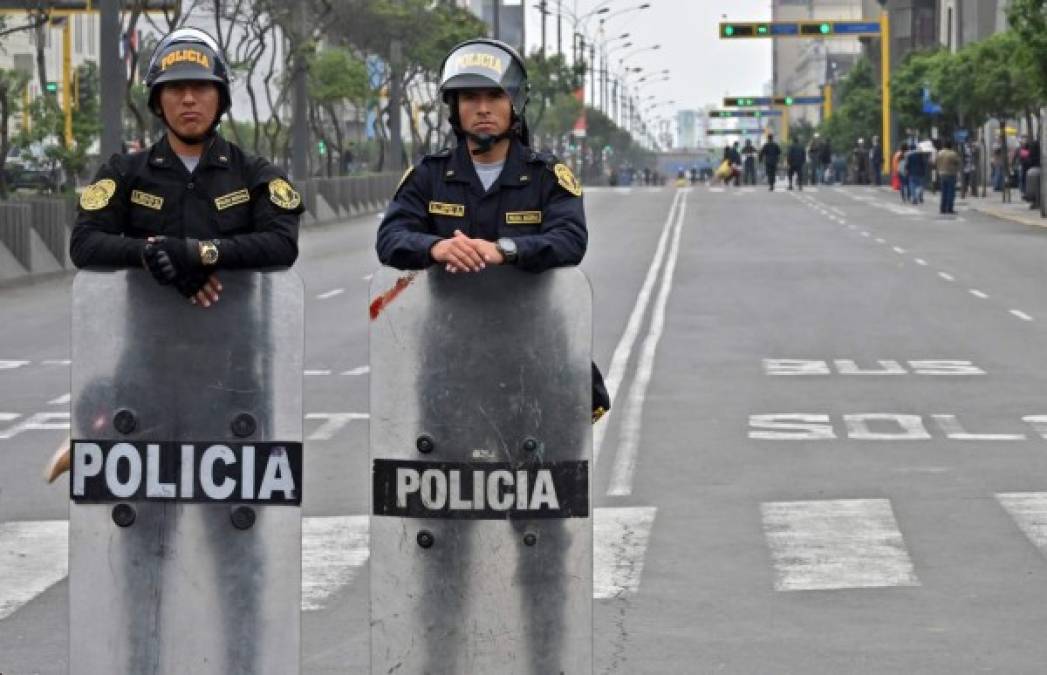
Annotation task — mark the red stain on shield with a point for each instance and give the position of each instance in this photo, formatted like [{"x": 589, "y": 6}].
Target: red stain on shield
[{"x": 383, "y": 300}]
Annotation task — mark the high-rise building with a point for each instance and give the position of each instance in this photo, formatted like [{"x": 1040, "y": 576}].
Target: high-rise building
[
  {"x": 962, "y": 22},
  {"x": 510, "y": 27},
  {"x": 802, "y": 67}
]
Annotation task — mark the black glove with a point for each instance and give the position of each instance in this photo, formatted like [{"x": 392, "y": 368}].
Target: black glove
[
  {"x": 159, "y": 264},
  {"x": 191, "y": 283},
  {"x": 184, "y": 253}
]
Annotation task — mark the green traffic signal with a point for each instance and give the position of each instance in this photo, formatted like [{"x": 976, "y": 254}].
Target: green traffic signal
[
  {"x": 825, "y": 28},
  {"x": 728, "y": 30},
  {"x": 763, "y": 29},
  {"x": 788, "y": 100},
  {"x": 51, "y": 87}
]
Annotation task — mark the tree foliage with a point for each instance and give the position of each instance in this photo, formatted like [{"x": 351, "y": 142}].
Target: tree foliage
[{"x": 859, "y": 113}]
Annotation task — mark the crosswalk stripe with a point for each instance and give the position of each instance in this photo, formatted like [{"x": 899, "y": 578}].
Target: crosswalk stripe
[
  {"x": 1029, "y": 511},
  {"x": 620, "y": 538},
  {"x": 34, "y": 555},
  {"x": 836, "y": 544}
]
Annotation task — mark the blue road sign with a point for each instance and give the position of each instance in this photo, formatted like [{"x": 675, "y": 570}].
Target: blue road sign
[
  {"x": 856, "y": 27},
  {"x": 785, "y": 29}
]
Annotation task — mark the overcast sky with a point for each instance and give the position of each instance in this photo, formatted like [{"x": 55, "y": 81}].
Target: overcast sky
[{"x": 703, "y": 67}]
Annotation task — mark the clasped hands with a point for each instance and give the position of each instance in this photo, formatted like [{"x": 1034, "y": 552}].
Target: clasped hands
[
  {"x": 462, "y": 254},
  {"x": 176, "y": 262}
]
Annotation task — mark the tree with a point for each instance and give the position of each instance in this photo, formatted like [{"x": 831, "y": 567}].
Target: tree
[
  {"x": 335, "y": 77},
  {"x": 1028, "y": 19},
  {"x": 859, "y": 114},
  {"x": 12, "y": 84},
  {"x": 553, "y": 108}
]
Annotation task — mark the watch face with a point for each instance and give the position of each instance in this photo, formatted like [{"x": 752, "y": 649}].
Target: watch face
[
  {"x": 508, "y": 247},
  {"x": 209, "y": 254}
]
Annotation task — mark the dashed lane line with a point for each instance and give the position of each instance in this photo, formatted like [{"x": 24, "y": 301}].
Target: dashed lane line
[
  {"x": 899, "y": 250},
  {"x": 978, "y": 294},
  {"x": 1021, "y": 315},
  {"x": 946, "y": 276},
  {"x": 920, "y": 261}
]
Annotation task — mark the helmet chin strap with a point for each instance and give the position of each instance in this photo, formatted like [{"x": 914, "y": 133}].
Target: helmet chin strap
[
  {"x": 193, "y": 140},
  {"x": 484, "y": 142}
]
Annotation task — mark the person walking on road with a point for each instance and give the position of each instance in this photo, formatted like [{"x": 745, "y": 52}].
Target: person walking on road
[
  {"x": 825, "y": 159},
  {"x": 948, "y": 164},
  {"x": 876, "y": 161},
  {"x": 814, "y": 158},
  {"x": 860, "y": 162},
  {"x": 749, "y": 162},
  {"x": 916, "y": 172},
  {"x": 898, "y": 175},
  {"x": 770, "y": 155},
  {"x": 970, "y": 168},
  {"x": 796, "y": 159}
]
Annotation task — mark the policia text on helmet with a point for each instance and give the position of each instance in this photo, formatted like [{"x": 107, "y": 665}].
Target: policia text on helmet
[
  {"x": 484, "y": 82},
  {"x": 188, "y": 84}
]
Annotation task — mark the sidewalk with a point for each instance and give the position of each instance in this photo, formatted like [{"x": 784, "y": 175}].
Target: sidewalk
[{"x": 1017, "y": 211}]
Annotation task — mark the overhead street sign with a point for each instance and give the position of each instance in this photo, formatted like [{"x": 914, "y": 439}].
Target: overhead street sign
[
  {"x": 797, "y": 29},
  {"x": 763, "y": 101},
  {"x": 754, "y": 131},
  {"x": 745, "y": 113}
]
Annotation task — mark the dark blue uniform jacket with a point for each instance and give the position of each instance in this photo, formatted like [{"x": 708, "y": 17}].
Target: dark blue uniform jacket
[{"x": 536, "y": 201}]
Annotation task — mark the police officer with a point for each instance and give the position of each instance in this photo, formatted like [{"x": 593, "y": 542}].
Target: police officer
[
  {"x": 490, "y": 200},
  {"x": 193, "y": 202}
]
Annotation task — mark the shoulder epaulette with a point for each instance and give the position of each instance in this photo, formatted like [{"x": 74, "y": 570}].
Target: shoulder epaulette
[{"x": 439, "y": 154}]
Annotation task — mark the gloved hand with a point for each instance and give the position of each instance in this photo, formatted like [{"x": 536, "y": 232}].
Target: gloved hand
[
  {"x": 159, "y": 263},
  {"x": 190, "y": 284}
]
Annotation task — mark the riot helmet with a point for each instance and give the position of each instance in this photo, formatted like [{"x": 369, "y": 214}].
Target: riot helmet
[
  {"x": 483, "y": 63},
  {"x": 188, "y": 54}
]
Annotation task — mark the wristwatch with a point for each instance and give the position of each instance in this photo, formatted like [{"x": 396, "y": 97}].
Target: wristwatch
[
  {"x": 208, "y": 253},
  {"x": 507, "y": 247}
]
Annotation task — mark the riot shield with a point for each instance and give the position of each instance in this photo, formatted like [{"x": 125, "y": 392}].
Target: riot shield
[
  {"x": 185, "y": 518},
  {"x": 481, "y": 530}
]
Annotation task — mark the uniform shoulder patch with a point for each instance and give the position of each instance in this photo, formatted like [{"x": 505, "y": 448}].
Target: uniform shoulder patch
[
  {"x": 283, "y": 195},
  {"x": 96, "y": 196},
  {"x": 565, "y": 177}
]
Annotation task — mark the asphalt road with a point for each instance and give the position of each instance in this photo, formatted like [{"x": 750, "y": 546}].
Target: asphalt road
[{"x": 827, "y": 450}]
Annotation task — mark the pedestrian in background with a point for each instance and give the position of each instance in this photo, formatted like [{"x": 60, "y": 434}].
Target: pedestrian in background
[
  {"x": 749, "y": 162},
  {"x": 916, "y": 170},
  {"x": 860, "y": 162},
  {"x": 948, "y": 165},
  {"x": 814, "y": 157},
  {"x": 770, "y": 154},
  {"x": 825, "y": 160},
  {"x": 897, "y": 179},
  {"x": 970, "y": 168},
  {"x": 796, "y": 158},
  {"x": 876, "y": 161}
]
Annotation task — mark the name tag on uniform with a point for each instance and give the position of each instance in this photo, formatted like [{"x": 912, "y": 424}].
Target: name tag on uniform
[
  {"x": 442, "y": 209},
  {"x": 147, "y": 200},
  {"x": 523, "y": 218},
  {"x": 232, "y": 199}
]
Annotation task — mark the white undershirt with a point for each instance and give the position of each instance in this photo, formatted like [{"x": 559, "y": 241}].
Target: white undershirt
[
  {"x": 488, "y": 173},
  {"x": 190, "y": 161}
]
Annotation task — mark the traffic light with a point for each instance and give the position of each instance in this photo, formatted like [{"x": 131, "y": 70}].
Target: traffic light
[
  {"x": 816, "y": 28},
  {"x": 321, "y": 147},
  {"x": 730, "y": 30},
  {"x": 788, "y": 100},
  {"x": 51, "y": 87}
]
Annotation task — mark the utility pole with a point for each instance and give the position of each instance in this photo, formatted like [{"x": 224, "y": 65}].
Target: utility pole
[
  {"x": 544, "y": 9},
  {"x": 113, "y": 78},
  {"x": 592, "y": 78},
  {"x": 559, "y": 27},
  {"x": 497, "y": 19},
  {"x": 396, "y": 144},
  {"x": 300, "y": 110}
]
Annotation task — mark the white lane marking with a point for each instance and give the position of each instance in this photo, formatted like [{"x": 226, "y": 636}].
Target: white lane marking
[
  {"x": 834, "y": 544},
  {"x": 946, "y": 276},
  {"x": 61, "y": 400},
  {"x": 42, "y": 421},
  {"x": 954, "y": 431},
  {"x": 850, "y": 367},
  {"x": 632, "y": 418},
  {"x": 1029, "y": 512},
  {"x": 899, "y": 250},
  {"x": 623, "y": 350},
  {"x": 11, "y": 364},
  {"x": 333, "y": 423},
  {"x": 1021, "y": 315},
  {"x": 333, "y": 550},
  {"x": 315, "y": 373},
  {"x": 34, "y": 556},
  {"x": 9, "y": 416},
  {"x": 921, "y": 261},
  {"x": 716, "y": 189},
  {"x": 620, "y": 538},
  {"x": 837, "y": 210},
  {"x": 880, "y": 241},
  {"x": 359, "y": 370},
  {"x": 330, "y": 294},
  {"x": 367, "y": 277},
  {"x": 866, "y": 234},
  {"x": 978, "y": 294},
  {"x": 55, "y": 362}
]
